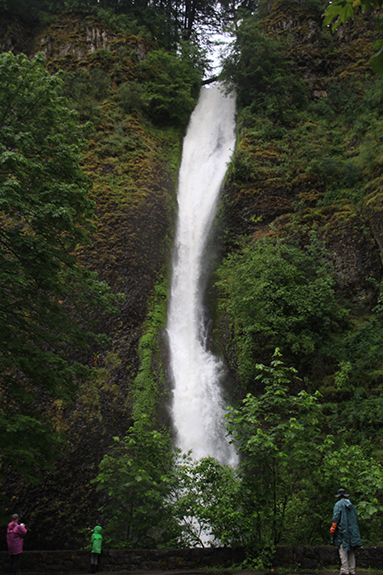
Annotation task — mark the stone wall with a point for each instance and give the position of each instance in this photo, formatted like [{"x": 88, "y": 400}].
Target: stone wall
[
  {"x": 125, "y": 559},
  {"x": 309, "y": 558},
  {"x": 295, "y": 558}
]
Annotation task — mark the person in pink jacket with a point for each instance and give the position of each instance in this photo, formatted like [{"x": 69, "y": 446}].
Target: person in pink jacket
[{"x": 15, "y": 540}]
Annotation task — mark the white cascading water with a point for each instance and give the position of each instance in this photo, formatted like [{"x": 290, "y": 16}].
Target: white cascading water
[{"x": 198, "y": 407}]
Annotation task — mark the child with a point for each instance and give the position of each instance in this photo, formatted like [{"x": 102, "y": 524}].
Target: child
[{"x": 96, "y": 541}]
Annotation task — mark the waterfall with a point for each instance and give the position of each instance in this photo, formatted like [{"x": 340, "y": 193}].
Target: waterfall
[{"x": 198, "y": 406}]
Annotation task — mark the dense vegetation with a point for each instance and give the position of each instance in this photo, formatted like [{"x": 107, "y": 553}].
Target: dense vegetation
[
  {"x": 45, "y": 214},
  {"x": 299, "y": 305}
]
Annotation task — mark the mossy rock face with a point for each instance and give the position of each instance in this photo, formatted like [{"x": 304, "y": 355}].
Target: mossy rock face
[
  {"x": 317, "y": 54},
  {"x": 275, "y": 183},
  {"x": 69, "y": 42},
  {"x": 132, "y": 166}
]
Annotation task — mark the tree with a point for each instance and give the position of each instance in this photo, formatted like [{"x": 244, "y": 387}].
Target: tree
[
  {"x": 207, "y": 501},
  {"x": 277, "y": 294},
  {"x": 353, "y": 465},
  {"x": 157, "y": 497},
  {"x": 278, "y": 436},
  {"x": 171, "y": 86},
  {"x": 291, "y": 467},
  {"x": 137, "y": 475},
  {"x": 260, "y": 74},
  {"x": 45, "y": 215}
]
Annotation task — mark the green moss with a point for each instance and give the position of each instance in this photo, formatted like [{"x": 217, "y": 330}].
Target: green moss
[{"x": 147, "y": 385}]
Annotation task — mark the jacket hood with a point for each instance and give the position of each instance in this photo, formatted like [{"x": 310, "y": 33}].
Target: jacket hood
[
  {"x": 97, "y": 529},
  {"x": 12, "y": 524},
  {"x": 347, "y": 503}
]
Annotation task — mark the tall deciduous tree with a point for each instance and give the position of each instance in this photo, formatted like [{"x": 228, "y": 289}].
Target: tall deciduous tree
[
  {"x": 44, "y": 215},
  {"x": 207, "y": 501},
  {"x": 137, "y": 475},
  {"x": 291, "y": 468},
  {"x": 170, "y": 88},
  {"x": 278, "y": 435}
]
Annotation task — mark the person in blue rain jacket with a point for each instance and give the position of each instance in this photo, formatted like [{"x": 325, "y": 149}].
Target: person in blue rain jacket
[{"x": 345, "y": 532}]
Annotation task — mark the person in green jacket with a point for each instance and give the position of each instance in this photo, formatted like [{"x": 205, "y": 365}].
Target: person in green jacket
[
  {"x": 96, "y": 542},
  {"x": 345, "y": 532}
]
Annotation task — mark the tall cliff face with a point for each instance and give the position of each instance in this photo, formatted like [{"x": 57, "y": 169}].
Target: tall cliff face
[
  {"x": 315, "y": 167},
  {"x": 133, "y": 168}
]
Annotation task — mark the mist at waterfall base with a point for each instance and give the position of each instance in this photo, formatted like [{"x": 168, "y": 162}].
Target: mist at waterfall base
[{"x": 198, "y": 408}]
